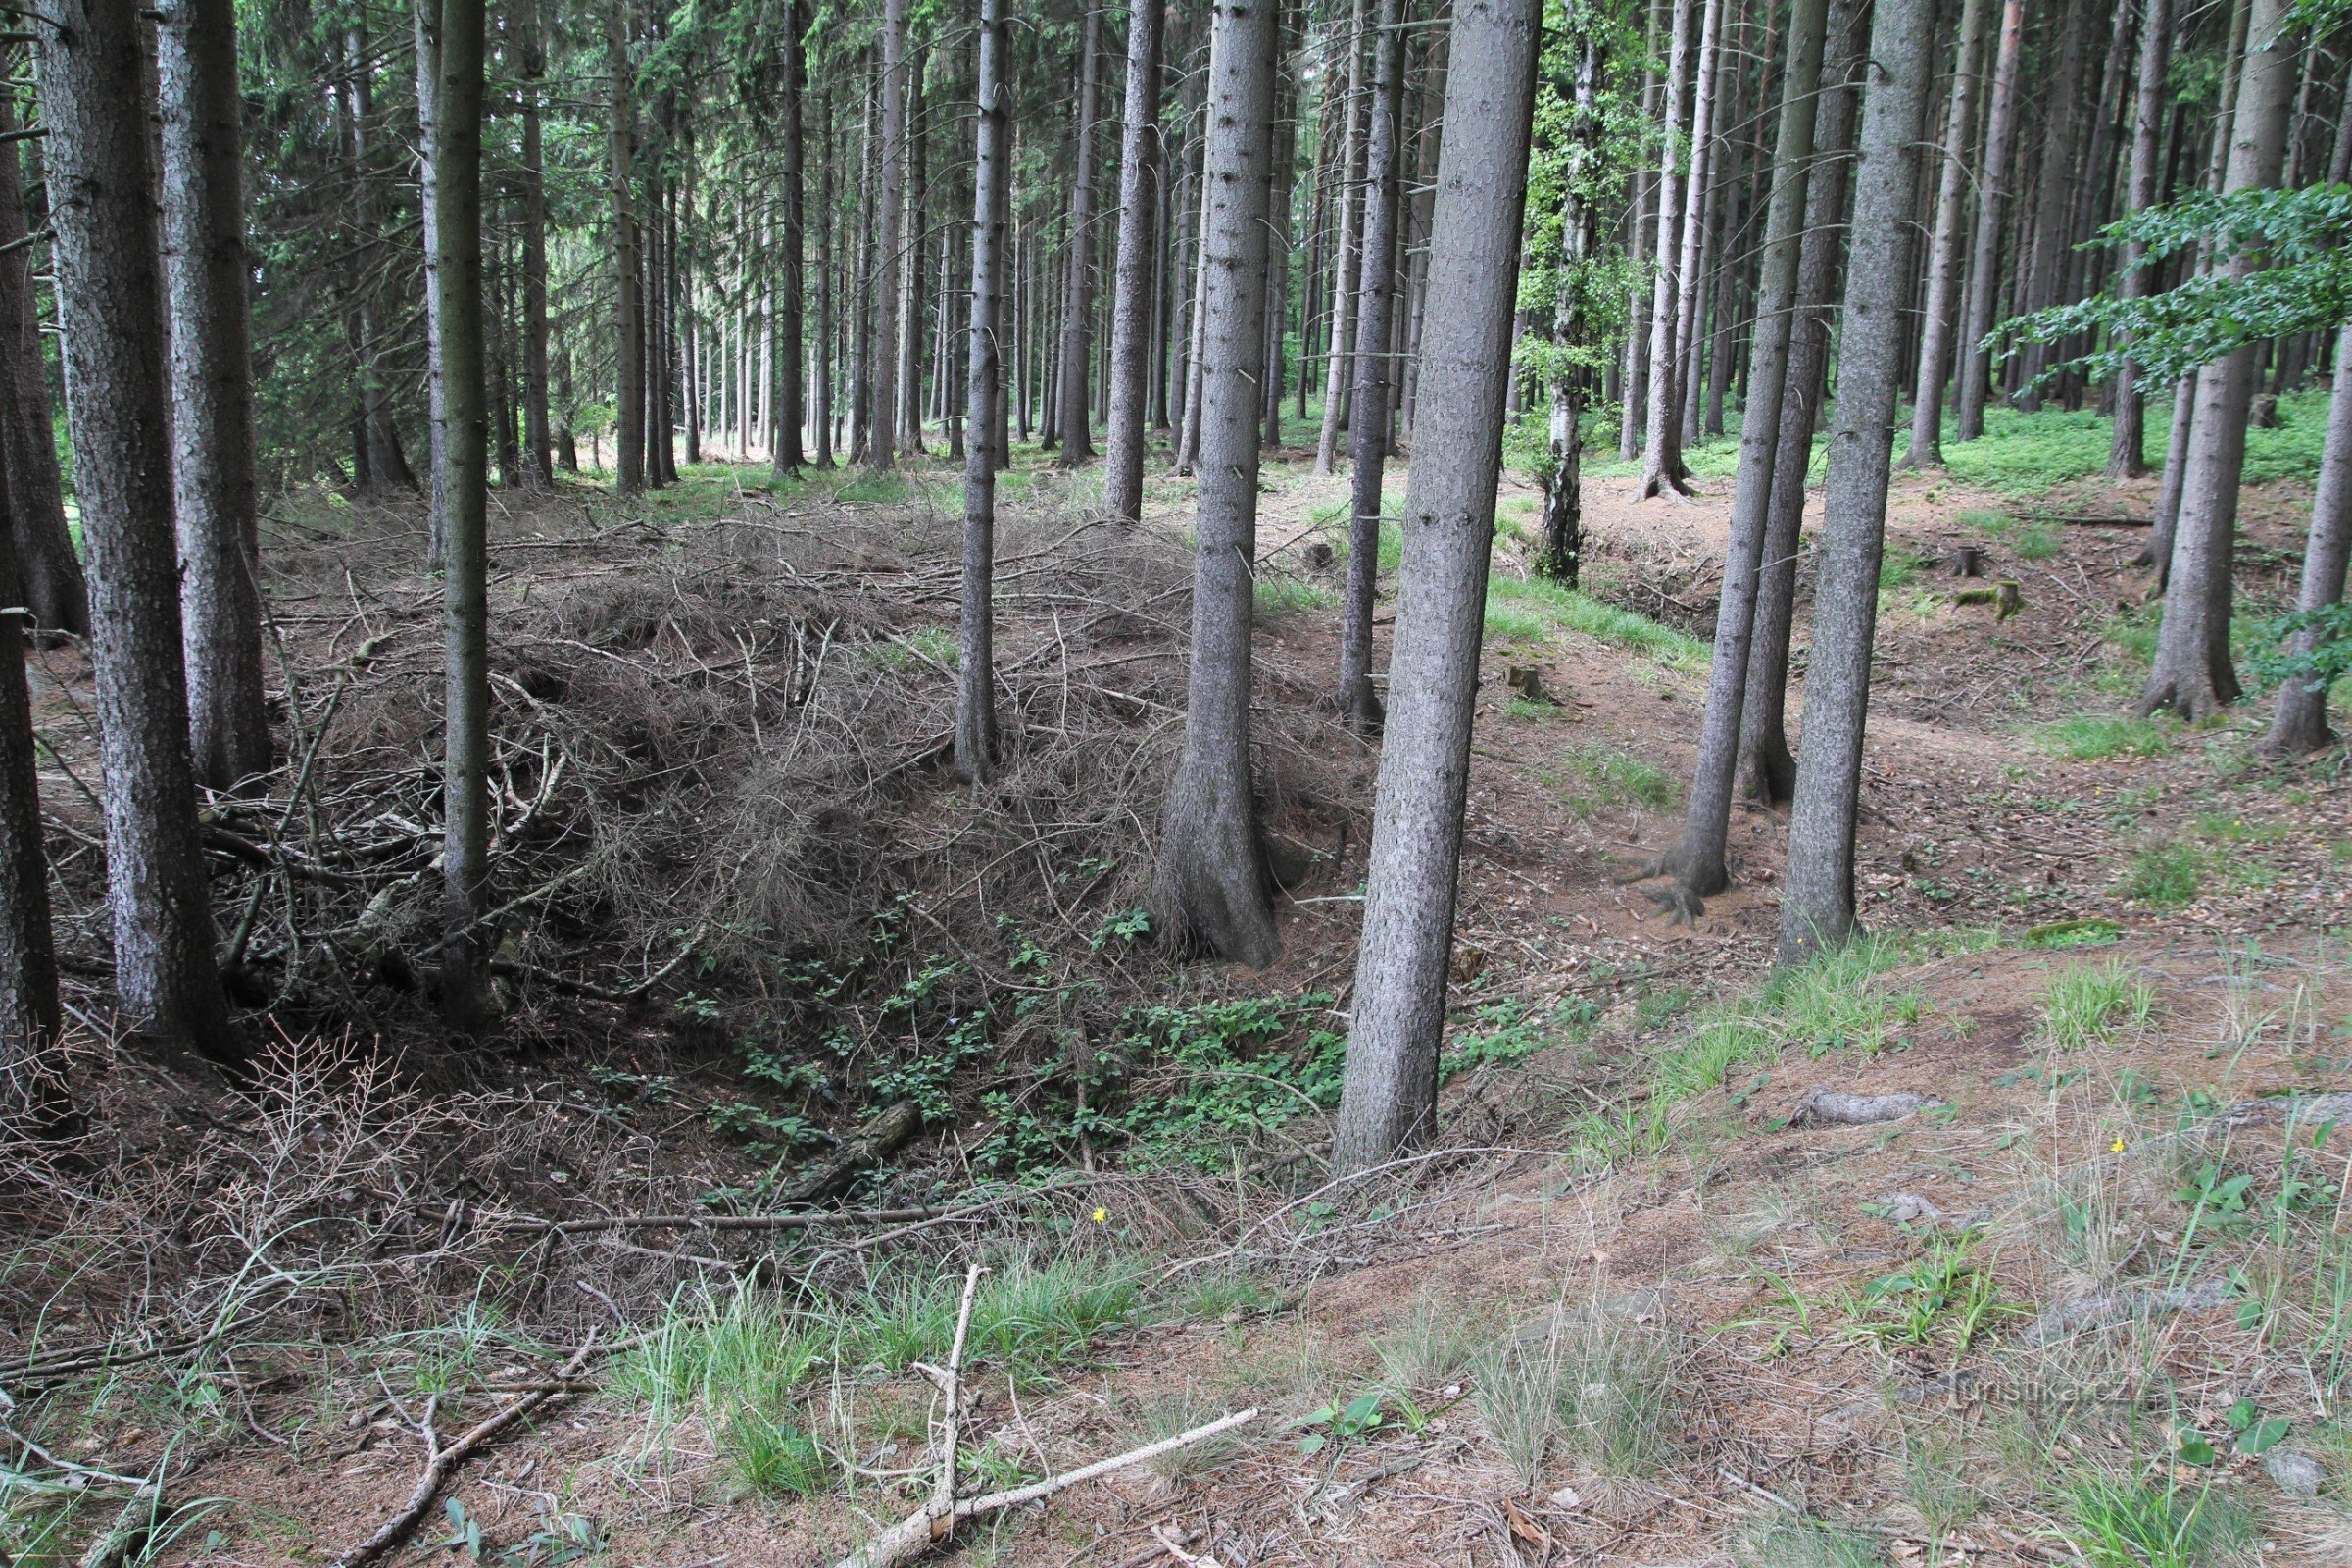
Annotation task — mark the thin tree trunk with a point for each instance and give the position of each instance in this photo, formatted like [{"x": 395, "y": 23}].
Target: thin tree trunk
[
  {"x": 215, "y": 500},
  {"x": 628, "y": 430},
  {"x": 466, "y": 748},
  {"x": 1698, "y": 237},
  {"x": 1369, "y": 435},
  {"x": 792, "y": 368},
  {"x": 109, "y": 283},
  {"x": 1072, "y": 414},
  {"x": 1633, "y": 404},
  {"x": 1817, "y": 908},
  {"x": 1699, "y": 862},
  {"x": 2299, "y": 725},
  {"x": 881, "y": 359},
  {"x": 538, "y": 442},
  {"x": 821, "y": 370},
  {"x": 1389, "y": 1099},
  {"x": 1944, "y": 262},
  {"x": 1345, "y": 268},
  {"x": 1212, "y": 891},
  {"x": 427, "y": 15},
  {"x": 1662, "y": 460},
  {"x": 1767, "y": 767},
  {"x": 51, "y": 580},
  {"x": 1992, "y": 195},
  {"x": 1560, "y": 551},
  {"x": 976, "y": 664},
  {"x": 2127, "y": 455},
  {"x": 32, "y": 1062},
  {"x": 1131, "y": 306},
  {"x": 2193, "y": 674}
]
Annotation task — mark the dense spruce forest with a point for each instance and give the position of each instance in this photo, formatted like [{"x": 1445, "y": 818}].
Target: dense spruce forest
[{"x": 1358, "y": 781}]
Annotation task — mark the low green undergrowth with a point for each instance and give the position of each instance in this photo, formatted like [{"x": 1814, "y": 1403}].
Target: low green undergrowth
[
  {"x": 2096, "y": 737},
  {"x": 1596, "y": 777},
  {"x": 1531, "y": 609}
]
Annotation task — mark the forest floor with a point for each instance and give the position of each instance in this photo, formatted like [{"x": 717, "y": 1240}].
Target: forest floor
[{"x": 2086, "y": 1299}]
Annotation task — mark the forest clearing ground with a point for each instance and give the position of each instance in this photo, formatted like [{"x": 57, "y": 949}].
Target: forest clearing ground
[{"x": 1632, "y": 1315}]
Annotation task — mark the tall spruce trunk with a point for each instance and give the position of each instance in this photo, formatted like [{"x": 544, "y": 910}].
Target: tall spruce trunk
[
  {"x": 1131, "y": 303},
  {"x": 1993, "y": 200},
  {"x": 1699, "y": 862},
  {"x": 1213, "y": 893},
  {"x": 2299, "y": 724},
  {"x": 792, "y": 257},
  {"x": 1681, "y": 411},
  {"x": 976, "y": 664},
  {"x": 1560, "y": 546},
  {"x": 880, "y": 360},
  {"x": 32, "y": 1062},
  {"x": 538, "y": 441},
  {"x": 213, "y": 494},
  {"x": 426, "y": 17},
  {"x": 1817, "y": 906},
  {"x": 1389, "y": 1099},
  {"x": 465, "y": 590},
  {"x": 1640, "y": 242},
  {"x": 2126, "y": 454},
  {"x": 1662, "y": 459},
  {"x": 1369, "y": 435},
  {"x": 1344, "y": 265},
  {"x": 628, "y": 428},
  {"x": 2059, "y": 144},
  {"x": 108, "y": 278},
  {"x": 50, "y": 579},
  {"x": 2193, "y": 674},
  {"x": 1767, "y": 772},
  {"x": 1072, "y": 412},
  {"x": 1951, "y": 222}
]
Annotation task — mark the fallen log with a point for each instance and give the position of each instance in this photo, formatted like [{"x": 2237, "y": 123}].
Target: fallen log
[{"x": 1835, "y": 1108}]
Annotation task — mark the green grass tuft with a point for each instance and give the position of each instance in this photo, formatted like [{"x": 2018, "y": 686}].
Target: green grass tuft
[
  {"x": 2094, "y": 737},
  {"x": 1606, "y": 776},
  {"x": 1287, "y": 596},
  {"x": 2164, "y": 874},
  {"x": 2119, "y": 1522},
  {"x": 1529, "y": 608},
  {"x": 2091, "y": 1003}
]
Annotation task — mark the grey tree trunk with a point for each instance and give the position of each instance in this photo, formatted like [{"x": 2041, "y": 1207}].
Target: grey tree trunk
[
  {"x": 538, "y": 440},
  {"x": 213, "y": 455},
  {"x": 464, "y": 593},
  {"x": 1951, "y": 221},
  {"x": 1663, "y": 457},
  {"x": 1073, "y": 408},
  {"x": 976, "y": 665},
  {"x": 2193, "y": 674},
  {"x": 109, "y": 283},
  {"x": 1560, "y": 548},
  {"x": 1389, "y": 1099},
  {"x": 1681, "y": 410},
  {"x": 31, "y": 1063},
  {"x": 1767, "y": 772},
  {"x": 628, "y": 430},
  {"x": 1213, "y": 893},
  {"x": 1699, "y": 862},
  {"x": 1817, "y": 907},
  {"x": 786, "y": 457},
  {"x": 50, "y": 581},
  {"x": 1992, "y": 205},
  {"x": 1131, "y": 306},
  {"x": 426, "y": 14},
  {"x": 1345, "y": 268},
  {"x": 881, "y": 360},
  {"x": 2127, "y": 455},
  {"x": 1368, "y": 434},
  {"x": 2044, "y": 262},
  {"x": 1633, "y": 406},
  {"x": 2299, "y": 725}
]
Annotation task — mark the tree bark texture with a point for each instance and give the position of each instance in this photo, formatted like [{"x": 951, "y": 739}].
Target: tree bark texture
[
  {"x": 1369, "y": 435},
  {"x": 1938, "y": 330},
  {"x": 785, "y": 460},
  {"x": 1993, "y": 199},
  {"x": 976, "y": 666},
  {"x": 2127, "y": 455},
  {"x": 2299, "y": 724},
  {"x": 628, "y": 430},
  {"x": 109, "y": 283},
  {"x": 464, "y": 593},
  {"x": 1073, "y": 411},
  {"x": 1662, "y": 459},
  {"x": 1389, "y": 1097},
  {"x": 32, "y": 1064},
  {"x": 1131, "y": 318},
  {"x": 213, "y": 452},
  {"x": 1699, "y": 862},
  {"x": 2193, "y": 674},
  {"x": 1345, "y": 269},
  {"x": 51, "y": 577},
  {"x": 1817, "y": 907},
  {"x": 1213, "y": 893}
]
